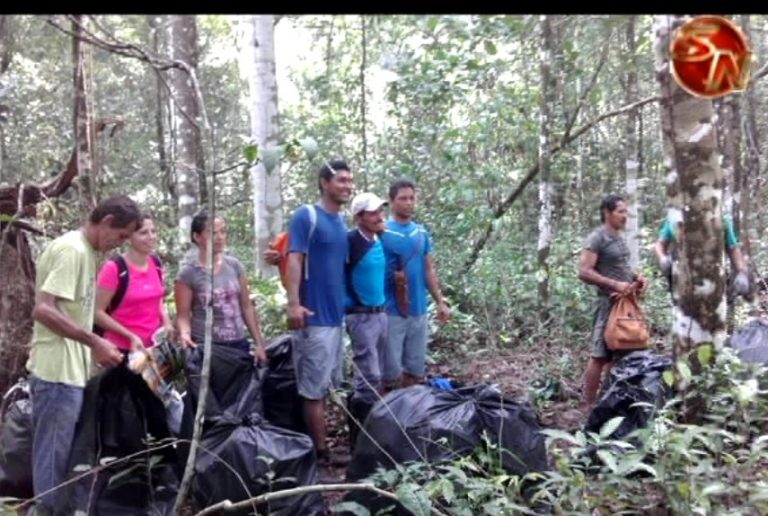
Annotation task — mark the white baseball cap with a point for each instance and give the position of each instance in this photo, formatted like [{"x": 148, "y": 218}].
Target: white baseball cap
[{"x": 367, "y": 201}]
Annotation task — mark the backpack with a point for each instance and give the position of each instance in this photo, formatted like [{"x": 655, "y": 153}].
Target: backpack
[
  {"x": 626, "y": 328},
  {"x": 122, "y": 285},
  {"x": 282, "y": 245}
]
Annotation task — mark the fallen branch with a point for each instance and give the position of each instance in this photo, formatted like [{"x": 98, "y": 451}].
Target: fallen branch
[
  {"x": 227, "y": 505},
  {"x": 534, "y": 170}
]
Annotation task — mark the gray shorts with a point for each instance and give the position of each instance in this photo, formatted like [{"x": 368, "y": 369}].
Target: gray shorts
[
  {"x": 406, "y": 346},
  {"x": 368, "y": 333},
  {"x": 602, "y": 310},
  {"x": 317, "y": 353}
]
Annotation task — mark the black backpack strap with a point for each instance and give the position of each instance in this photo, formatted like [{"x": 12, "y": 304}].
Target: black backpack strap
[
  {"x": 122, "y": 282},
  {"x": 357, "y": 247}
]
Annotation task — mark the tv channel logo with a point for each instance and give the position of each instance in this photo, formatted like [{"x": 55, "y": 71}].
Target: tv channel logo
[{"x": 710, "y": 57}]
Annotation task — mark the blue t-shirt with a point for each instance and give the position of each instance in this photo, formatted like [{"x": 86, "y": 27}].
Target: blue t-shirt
[
  {"x": 367, "y": 277},
  {"x": 326, "y": 253},
  {"x": 668, "y": 233},
  {"x": 407, "y": 243}
]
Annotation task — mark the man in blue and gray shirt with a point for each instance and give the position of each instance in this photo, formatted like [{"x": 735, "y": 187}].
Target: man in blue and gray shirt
[{"x": 365, "y": 304}]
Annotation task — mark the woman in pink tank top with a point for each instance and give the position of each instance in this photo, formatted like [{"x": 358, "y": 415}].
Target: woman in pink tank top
[{"x": 141, "y": 312}]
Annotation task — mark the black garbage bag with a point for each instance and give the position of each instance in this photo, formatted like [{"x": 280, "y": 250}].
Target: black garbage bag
[
  {"x": 751, "y": 342},
  {"x": 266, "y": 458},
  {"x": 119, "y": 415},
  {"x": 443, "y": 425},
  {"x": 283, "y": 406},
  {"x": 637, "y": 377},
  {"x": 234, "y": 388},
  {"x": 16, "y": 443},
  {"x": 358, "y": 408}
]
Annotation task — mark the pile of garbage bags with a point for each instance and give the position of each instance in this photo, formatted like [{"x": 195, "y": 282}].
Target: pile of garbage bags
[{"x": 751, "y": 342}]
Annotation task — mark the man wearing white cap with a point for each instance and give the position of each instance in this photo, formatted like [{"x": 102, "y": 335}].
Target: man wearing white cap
[{"x": 365, "y": 303}]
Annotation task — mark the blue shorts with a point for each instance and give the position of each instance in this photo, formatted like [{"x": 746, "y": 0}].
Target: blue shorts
[{"x": 406, "y": 347}]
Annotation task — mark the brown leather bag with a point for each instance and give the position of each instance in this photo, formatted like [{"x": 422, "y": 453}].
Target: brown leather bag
[
  {"x": 401, "y": 293},
  {"x": 626, "y": 328},
  {"x": 402, "y": 299}
]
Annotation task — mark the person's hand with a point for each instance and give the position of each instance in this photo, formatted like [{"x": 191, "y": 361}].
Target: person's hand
[
  {"x": 642, "y": 283},
  {"x": 272, "y": 257},
  {"x": 741, "y": 284},
  {"x": 296, "y": 316},
  {"x": 185, "y": 339},
  {"x": 665, "y": 264},
  {"x": 105, "y": 354},
  {"x": 260, "y": 353},
  {"x": 170, "y": 331},
  {"x": 443, "y": 313},
  {"x": 623, "y": 288},
  {"x": 136, "y": 343}
]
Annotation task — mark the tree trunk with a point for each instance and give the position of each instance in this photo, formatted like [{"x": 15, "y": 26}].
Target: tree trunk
[
  {"x": 545, "y": 184},
  {"x": 632, "y": 150},
  {"x": 82, "y": 119},
  {"x": 267, "y": 198},
  {"x": 728, "y": 141},
  {"x": 161, "y": 102},
  {"x": 363, "y": 132},
  {"x": 190, "y": 181},
  {"x": 695, "y": 191},
  {"x": 751, "y": 174}
]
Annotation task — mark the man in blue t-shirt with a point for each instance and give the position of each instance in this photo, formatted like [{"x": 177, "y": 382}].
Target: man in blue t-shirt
[
  {"x": 365, "y": 304},
  {"x": 665, "y": 253},
  {"x": 315, "y": 285},
  {"x": 408, "y": 248}
]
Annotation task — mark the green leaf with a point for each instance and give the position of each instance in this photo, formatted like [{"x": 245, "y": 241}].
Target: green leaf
[
  {"x": 684, "y": 370},
  {"x": 270, "y": 156},
  {"x": 490, "y": 47},
  {"x": 610, "y": 426},
  {"x": 251, "y": 153},
  {"x": 310, "y": 147},
  {"x": 669, "y": 378},
  {"x": 414, "y": 500},
  {"x": 607, "y": 459},
  {"x": 124, "y": 473},
  {"x": 714, "y": 488},
  {"x": 704, "y": 354},
  {"x": 353, "y": 507}
]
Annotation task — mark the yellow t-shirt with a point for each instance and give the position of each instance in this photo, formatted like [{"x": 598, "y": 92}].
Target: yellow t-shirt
[{"x": 67, "y": 270}]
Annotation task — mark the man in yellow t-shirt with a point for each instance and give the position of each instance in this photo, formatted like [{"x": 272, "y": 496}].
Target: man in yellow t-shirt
[{"x": 63, "y": 343}]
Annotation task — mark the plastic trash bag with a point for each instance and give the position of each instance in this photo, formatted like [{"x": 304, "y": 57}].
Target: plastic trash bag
[
  {"x": 751, "y": 342},
  {"x": 266, "y": 458},
  {"x": 16, "y": 443},
  {"x": 283, "y": 406},
  {"x": 636, "y": 377}
]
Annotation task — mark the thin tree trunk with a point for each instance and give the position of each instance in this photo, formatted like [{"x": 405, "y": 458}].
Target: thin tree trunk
[
  {"x": 169, "y": 188},
  {"x": 728, "y": 128},
  {"x": 188, "y": 141},
  {"x": 695, "y": 196},
  {"x": 267, "y": 198},
  {"x": 82, "y": 119},
  {"x": 632, "y": 150},
  {"x": 545, "y": 184},
  {"x": 363, "y": 65},
  {"x": 750, "y": 184}
]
